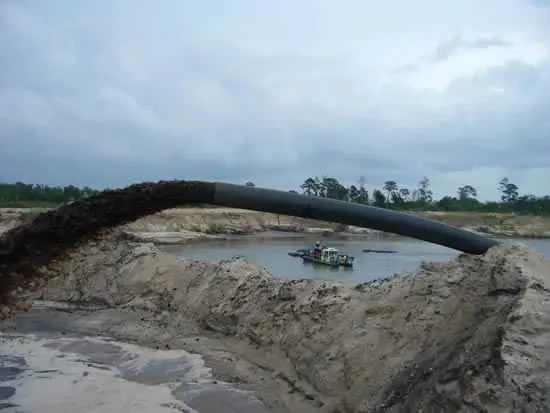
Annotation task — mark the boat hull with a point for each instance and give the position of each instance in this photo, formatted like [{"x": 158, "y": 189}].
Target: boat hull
[
  {"x": 314, "y": 260},
  {"x": 299, "y": 253}
]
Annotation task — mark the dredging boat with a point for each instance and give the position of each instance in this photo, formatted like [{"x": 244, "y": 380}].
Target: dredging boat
[{"x": 327, "y": 256}]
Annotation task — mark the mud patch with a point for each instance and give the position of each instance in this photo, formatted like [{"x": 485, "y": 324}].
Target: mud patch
[{"x": 86, "y": 374}]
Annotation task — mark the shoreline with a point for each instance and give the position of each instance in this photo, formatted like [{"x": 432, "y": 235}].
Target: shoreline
[
  {"x": 183, "y": 238},
  {"x": 181, "y": 226},
  {"x": 175, "y": 238}
]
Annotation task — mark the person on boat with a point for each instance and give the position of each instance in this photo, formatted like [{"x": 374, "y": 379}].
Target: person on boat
[{"x": 317, "y": 249}]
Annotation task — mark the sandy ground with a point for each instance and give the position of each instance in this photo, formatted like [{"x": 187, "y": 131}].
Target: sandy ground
[
  {"x": 71, "y": 375},
  {"x": 185, "y": 225},
  {"x": 473, "y": 334},
  {"x": 223, "y": 221},
  {"x": 94, "y": 339},
  {"x": 75, "y": 372}
]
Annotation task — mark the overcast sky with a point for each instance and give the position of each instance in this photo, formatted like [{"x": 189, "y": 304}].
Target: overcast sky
[{"x": 106, "y": 93}]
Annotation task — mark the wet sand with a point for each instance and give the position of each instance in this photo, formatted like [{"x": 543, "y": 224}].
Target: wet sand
[{"x": 54, "y": 361}]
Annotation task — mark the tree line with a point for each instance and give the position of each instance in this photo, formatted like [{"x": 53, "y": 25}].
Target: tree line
[
  {"x": 390, "y": 195},
  {"x": 22, "y": 195},
  {"x": 394, "y": 196}
]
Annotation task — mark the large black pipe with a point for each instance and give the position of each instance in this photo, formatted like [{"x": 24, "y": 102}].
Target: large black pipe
[
  {"x": 287, "y": 203},
  {"x": 60, "y": 228}
]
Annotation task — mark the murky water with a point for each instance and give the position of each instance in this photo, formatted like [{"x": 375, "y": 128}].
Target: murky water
[{"x": 273, "y": 255}]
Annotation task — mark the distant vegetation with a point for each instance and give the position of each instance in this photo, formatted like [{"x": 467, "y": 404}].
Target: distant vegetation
[
  {"x": 391, "y": 195},
  {"x": 394, "y": 196},
  {"x": 20, "y": 195}
]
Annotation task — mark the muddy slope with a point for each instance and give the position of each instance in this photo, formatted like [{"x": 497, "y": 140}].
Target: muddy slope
[
  {"x": 28, "y": 246},
  {"x": 471, "y": 335}
]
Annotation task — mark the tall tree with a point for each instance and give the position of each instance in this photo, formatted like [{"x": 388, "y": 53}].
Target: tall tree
[
  {"x": 391, "y": 189},
  {"x": 363, "y": 197},
  {"x": 466, "y": 192},
  {"x": 509, "y": 190},
  {"x": 379, "y": 198},
  {"x": 425, "y": 194},
  {"x": 332, "y": 188},
  {"x": 353, "y": 193},
  {"x": 404, "y": 193},
  {"x": 311, "y": 186}
]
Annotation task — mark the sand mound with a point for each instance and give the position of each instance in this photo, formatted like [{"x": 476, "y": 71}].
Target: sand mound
[{"x": 471, "y": 335}]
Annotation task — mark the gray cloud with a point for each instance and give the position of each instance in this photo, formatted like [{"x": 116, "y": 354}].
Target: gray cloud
[
  {"x": 447, "y": 49},
  {"x": 458, "y": 44},
  {"x": 109, "y": 95}
]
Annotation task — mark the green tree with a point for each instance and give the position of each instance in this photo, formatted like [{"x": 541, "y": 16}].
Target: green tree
[
  {"x": 404, "y": 193},
  {"x": 391, "y": 189},
  {"x": 363, "y": 196},
  {"x": 20, "y": 194},
  {"x": 353, "y": 193},
  {"x": 332, "y": 188},
  {"x": 466, "y": 192},
  {"x": 447, "y": 203},
  {"x": 425, "y": 194},
  {"x": 509, "y": 190},
  {"x": 379, "y": 198},
  {"x": 311, "y": 186}
]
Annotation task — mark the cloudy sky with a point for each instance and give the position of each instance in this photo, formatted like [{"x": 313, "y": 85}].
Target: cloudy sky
[{"x": 106, "y": 93}]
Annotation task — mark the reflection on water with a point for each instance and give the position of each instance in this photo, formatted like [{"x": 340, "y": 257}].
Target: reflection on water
[{"x": 273, "y": 255}]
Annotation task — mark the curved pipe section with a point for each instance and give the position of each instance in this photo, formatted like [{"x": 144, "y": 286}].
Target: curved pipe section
[{"x": 280, "y": 202}]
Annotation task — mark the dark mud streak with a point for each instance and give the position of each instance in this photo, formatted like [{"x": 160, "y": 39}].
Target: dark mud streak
[{"x": 25, "y": 248}]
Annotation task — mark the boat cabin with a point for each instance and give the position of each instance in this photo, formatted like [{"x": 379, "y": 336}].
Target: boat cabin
[{"x": 329, "y": 254}]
